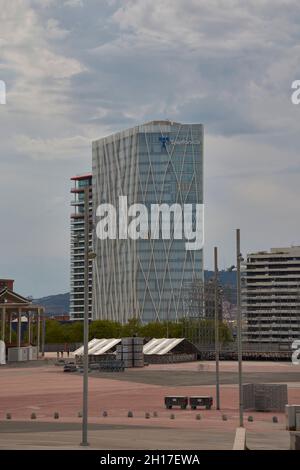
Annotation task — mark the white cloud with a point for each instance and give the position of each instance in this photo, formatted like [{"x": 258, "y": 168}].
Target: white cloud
[
  {"x": 179, "y": 57},
  {"x": 54, "y": 31},
  {"x": 74, "y": 3},
  {"x": 53, "y": 149},
  {"x": 36, "y": 69},
  {"x": 78, "y": 70},
  {"x": 252, "y": 186}
]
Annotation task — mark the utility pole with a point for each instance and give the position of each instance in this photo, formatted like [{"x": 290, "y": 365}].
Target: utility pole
[
  {"x": 239, "y": 326},
  {"x": 86, "y": 318},
  {"x": 217, "y": 343}
]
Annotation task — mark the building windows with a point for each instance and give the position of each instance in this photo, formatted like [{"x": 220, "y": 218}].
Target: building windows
[{"x": 147, "y": 278}]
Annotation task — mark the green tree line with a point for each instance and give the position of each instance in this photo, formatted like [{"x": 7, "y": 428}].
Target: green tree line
[{"x": 202, "y": 331}]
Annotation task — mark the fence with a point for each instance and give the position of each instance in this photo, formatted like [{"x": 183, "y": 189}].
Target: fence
[
  {"x": 251, "y": 351},
  {"x": 62, "y": 347},
  {"x": 170, "y": 358}
]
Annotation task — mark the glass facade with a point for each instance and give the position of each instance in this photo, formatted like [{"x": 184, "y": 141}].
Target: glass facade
[{"x": 155, "y": 163}]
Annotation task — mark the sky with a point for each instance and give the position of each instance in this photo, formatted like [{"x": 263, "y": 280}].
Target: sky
[{"x": 77, "y": 70}]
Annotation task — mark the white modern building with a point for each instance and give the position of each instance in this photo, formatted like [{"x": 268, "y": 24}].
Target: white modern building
[
  {"x": 153, "y": 163},
  {"x": 271, "y": 296}
]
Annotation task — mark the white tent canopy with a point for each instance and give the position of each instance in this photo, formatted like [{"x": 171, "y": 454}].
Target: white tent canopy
[
  {"x": 157, "y": 346},
  {"x": 96, "y": 347},
  {"x": 104, "y": 345},
  {"x": 161, "y": 346},
  {"x": 79, "y": 351}
]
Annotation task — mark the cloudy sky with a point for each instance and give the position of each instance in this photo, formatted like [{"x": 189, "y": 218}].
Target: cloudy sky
[{"x": 76, "y": 70}]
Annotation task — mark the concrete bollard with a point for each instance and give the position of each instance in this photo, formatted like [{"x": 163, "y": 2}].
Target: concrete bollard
[
  {"x": 198, "y": 417},
  {"x": 56, "y": 415},
  {"x": 147, "y": 415},
  {"x": 79, "y": 414},
  {"x": 130, "y": 414},
  {"x": 250, "y": 419},
  {"x": 155, "y": 414},
  {"x": 275, "y": 419},
  {"x": 224, "y": 418},
  {"x": 8, "y": 415},
  {"x": 104, "y": 414},
  {"x": 33, "y": 416},
  {"x": 172, "y": 416}
]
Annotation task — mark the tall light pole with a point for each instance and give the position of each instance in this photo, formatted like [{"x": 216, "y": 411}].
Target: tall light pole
[
  {"x": 217, "y": 344},
  {"x": 84, "y": 441},
  {"x": 239, "y": 325}
]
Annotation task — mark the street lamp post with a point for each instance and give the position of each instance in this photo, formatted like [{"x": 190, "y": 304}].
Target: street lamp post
[
  {"x": 84, "y": 441},
  {"x": 217, "y": 345},
  {"x": 239, "y": 326}
]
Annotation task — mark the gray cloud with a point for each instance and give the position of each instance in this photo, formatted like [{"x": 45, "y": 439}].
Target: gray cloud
[{"x": 76, "y": 71}]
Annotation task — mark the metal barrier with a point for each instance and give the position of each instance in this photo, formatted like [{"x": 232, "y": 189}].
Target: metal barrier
[
  {"x": 170, "y": 358},
  {"x": 61, "y": 347},
  {"x": 251, "y": 351},
  {"x": 115, "y": 365}
]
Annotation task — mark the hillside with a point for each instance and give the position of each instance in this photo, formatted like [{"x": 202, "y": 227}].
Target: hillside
[
  {"x": 227, "y": 278},
  {"x": 55, "y": 304}
]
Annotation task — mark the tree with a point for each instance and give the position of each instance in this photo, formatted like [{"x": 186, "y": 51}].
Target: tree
[
  {"x": 203, "y": 331},
  {"x": 105, "y": 329},
  {"x": 55, "y": 332},
  {"x": 74, "y": 332},
  {"x": 13, "y": 334},
  {"x": 225, "y": 333},
  {"x": 154, "y": 330},
  {"x": 175, "y": 330},
  {"x": 131, "y": 328},
  {"x": 195, "y": 329}
]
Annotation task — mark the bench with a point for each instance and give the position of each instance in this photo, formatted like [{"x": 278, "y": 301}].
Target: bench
[
  {"x": 207, "y": 402},
  {"x": 176, "y": 401},
  {"x": 70, "y": 368}
]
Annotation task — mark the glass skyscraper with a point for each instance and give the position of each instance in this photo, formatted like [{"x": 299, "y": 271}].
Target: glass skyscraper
[{"x": 154, "y": 163}]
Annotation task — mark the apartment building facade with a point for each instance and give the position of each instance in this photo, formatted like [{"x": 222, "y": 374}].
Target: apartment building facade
[
  {"x": 77, "y": 246},
  {"x": 271, "y": 296}
]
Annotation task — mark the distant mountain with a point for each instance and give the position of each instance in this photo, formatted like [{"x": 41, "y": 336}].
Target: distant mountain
[
  {"x": 59, "y": 304},
  {"x": 55, "y": 304},
  {"x": 226, "y": 278}
]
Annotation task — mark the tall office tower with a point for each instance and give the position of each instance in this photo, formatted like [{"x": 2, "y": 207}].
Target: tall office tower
[
  {"x": 77, "y": 247},
  {"x": 154, "y": 163},
  {"x": 271, "y": 296}
]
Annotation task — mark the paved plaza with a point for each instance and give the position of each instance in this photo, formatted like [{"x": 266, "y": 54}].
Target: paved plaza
[{"x": 45, "y": 390}]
